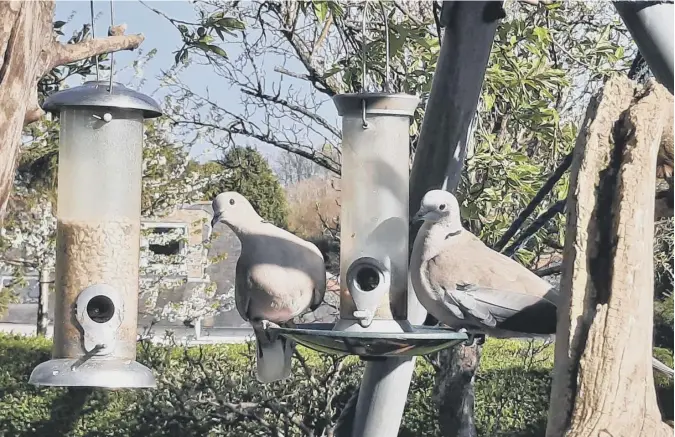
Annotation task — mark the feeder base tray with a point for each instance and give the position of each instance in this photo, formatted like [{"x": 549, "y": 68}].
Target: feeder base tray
[
  {"x": 421, "y": 340},
  {"x": 93, "y": 372}
]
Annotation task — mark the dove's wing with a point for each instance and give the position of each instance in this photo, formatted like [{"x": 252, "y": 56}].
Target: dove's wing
[
  {"x": 490, "y": 289},
  {"x": 474, "y": 308},
  {"x": 242, "y": 293},
  {"x": 466, "y": 261},
  {"x": 318, "y": 294},
  {"x": 504, "y": 304}
]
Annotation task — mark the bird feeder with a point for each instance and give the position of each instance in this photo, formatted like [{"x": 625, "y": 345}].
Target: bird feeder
[
  {"x": 98, "y": 237},
  {"x": 374, "y": 215},
  {"x": 374, "y": 225}
]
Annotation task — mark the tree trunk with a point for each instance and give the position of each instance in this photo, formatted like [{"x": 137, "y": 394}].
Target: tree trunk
[
  {"x": 28, "y": 51},
  {"x": 454, "y": 391},
  {"x": 603, "y": 383}
]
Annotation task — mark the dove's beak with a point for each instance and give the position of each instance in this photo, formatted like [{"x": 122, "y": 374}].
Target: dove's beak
[
  {"x": 215, "y": 219},
  {"x": 419, "y": 216}
]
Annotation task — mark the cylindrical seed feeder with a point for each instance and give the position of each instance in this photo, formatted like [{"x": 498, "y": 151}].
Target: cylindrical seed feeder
[
  {"x": 98, "y": 238},
  {"x": 374, "y": 214},
  {"x": 374, "y": 225}
]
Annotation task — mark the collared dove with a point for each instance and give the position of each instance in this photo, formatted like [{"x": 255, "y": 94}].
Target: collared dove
[
  {"x": 466, "y": 285},
  {"x": 278, "y": 277}
]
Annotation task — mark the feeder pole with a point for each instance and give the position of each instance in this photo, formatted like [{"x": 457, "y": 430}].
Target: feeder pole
[
  {"x": 469, "y": 32},
  {"x": 650, "y": 23}
]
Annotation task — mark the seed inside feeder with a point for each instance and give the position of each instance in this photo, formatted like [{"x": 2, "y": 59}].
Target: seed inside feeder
[{"x": 96, "y": 252}]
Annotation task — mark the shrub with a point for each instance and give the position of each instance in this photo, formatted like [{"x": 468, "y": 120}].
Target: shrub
[{"x": 212, "y": 391}]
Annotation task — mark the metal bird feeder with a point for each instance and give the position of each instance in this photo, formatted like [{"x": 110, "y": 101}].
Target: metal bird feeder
[
  {"x": 98, "y": 238},
  {"x": 374, "y": 222}
]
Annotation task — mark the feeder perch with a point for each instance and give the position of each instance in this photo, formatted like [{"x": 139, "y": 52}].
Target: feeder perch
[
  {"x": 374, "y": 222},
  {"x": 98, "y": 238}
]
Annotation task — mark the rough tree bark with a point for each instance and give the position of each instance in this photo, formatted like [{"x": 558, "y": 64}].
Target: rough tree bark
[
  {"x": 454, "y": 392},
  {"x": 603, "y": 384},
  {"x": 28, "y": 51}
]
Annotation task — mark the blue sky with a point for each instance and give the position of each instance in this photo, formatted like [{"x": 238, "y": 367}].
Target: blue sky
[{"x": 162, "y": 36}]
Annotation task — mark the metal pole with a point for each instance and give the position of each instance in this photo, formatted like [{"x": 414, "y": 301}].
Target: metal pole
[
  {"x": 651, "y": 25},
  {"x": 43, "y": 303},
  {"x": 469, "y": 31}
]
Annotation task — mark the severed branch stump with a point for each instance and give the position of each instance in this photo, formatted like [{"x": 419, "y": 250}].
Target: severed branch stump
[{"x": 603, "y": 383}]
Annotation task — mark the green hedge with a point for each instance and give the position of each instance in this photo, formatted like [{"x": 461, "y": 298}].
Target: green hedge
[{"x": 212, "y": 391}]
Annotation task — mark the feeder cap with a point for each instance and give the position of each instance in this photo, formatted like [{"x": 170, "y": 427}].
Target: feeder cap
[
  {"x": 397, "y": 104},
  {"x": 96, "y": 94}
]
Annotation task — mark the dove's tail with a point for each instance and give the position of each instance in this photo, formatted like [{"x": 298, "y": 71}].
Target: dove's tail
[{"x": 273, "y": 357}]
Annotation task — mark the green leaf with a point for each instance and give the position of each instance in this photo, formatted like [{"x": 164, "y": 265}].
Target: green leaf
[
  {"x": 217, "y": 50},
  {"x": 321, "y": 10},
  {"x": 489, "y": 100},
  {"x": 231, "y": 23},
  {"x": 59, "y": 24}
]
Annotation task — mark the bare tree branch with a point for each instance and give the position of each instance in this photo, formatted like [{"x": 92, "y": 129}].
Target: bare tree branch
[
  {"x": 67, "y": 53},
  {"x": 278, "y": 100}
]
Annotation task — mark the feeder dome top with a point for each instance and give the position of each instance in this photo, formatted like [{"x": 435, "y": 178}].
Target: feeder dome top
[
  {"x": 97, "y": 94},
  {"x": 397, "y": 104}
]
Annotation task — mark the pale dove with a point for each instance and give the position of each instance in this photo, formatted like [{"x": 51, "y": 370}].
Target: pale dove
[
  {"x": 278, "y": 277},
  {"x": 466, "y": 285}
]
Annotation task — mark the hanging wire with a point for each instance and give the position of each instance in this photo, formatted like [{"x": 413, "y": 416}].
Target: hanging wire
[
  {"x": 112, "y": 56},
  {"x": 386, "y": 44},
  {"x": 91, "y": 5},
  {"x": 364, "y": 39},
  {"x": 363, "y": 47}
]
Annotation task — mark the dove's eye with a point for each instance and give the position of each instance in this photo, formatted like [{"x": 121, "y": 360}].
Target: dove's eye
[
  {"x": 231, "y": 201},
  {"x": 442, "y": 207}
]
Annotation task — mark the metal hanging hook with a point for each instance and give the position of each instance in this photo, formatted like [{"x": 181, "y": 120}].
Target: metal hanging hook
[{"x": 93, "y": 35}]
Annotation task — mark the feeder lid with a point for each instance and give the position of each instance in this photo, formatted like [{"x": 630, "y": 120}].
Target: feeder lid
[
  {"x": 377, "y": 103},
  {"x": 97, "y": 94}
]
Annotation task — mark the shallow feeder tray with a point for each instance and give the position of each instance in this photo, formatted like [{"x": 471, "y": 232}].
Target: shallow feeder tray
[
  {"x": 93, "y": 372},
  {"x": 423, "y": 340}
]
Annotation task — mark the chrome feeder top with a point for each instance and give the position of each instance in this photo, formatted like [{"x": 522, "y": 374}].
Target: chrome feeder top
[
  {"x": 374, "y": 226},
  {"x": 98, "y": 238}
]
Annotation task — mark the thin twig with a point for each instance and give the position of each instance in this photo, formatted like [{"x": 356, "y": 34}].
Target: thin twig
[
  {"x": 537, "y": 224},
  {"x": 534, "y": 203},
  {"x": 283, "y": 102}
]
